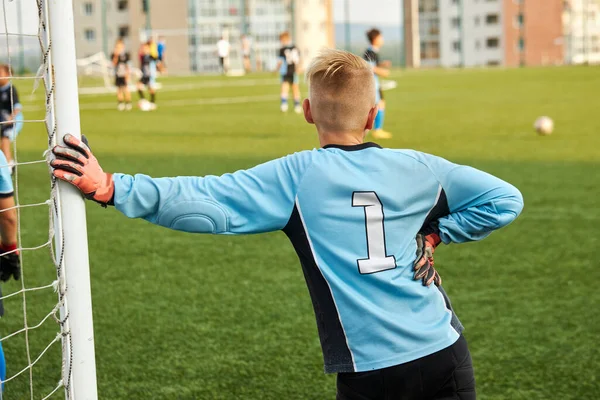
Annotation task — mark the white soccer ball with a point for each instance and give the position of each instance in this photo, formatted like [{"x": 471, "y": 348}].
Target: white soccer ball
[
  {"x": 544, "y": 125},
  {"x": 144, "y": 105}
]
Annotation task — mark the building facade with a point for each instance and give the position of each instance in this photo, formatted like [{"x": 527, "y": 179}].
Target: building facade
[
  {"x": 581, "y": 21},
  {"x": 470, "y": 33},
  {"x": 191, "y": 28}
]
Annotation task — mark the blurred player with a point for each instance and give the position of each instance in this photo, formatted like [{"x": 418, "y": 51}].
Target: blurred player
[
  {"x": 161, "y": 48},
  {"x": 246, "y": 50},
  {"x": 364, "y": 221},
  {"x": 121, "y": 60},
  {"x": 288, "y": 66},
  {"x": 10, "y": 264},
  {"x": 11, "y": 116},
  {"x": 148, "y": 79},
  {"x": 223, "y": 48},
  {"x": 380, "y": 69}
]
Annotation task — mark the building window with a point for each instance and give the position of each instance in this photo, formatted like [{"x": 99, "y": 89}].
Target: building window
[
  {"x": 492, "y": 43},
  {"x": 455, "y": 22},
  {"x": 492, "y": 19},
  {"x": 519, "y": 21},
  {"x": 430, "y": 50},
  {"x": 428, "y": 5},
  {"x": 124, "y": 31},
  {"x": 521, "y": 44},
  {"x": 90, "y": 35},
  {"x": 493, "y": 63},
  {"x": 88, "y": 8},
  {"x": 455, "y": 1},
  {"x": 456, "y": 46},
  {"x": 122, "y": 5}
]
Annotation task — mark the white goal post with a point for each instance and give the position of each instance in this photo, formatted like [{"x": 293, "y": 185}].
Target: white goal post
[
  {"x": 80, "y": 357},
  {"x": 50, "y": 24}
]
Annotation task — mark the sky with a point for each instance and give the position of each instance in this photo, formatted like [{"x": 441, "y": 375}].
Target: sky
[
  {"x": 28, "y": 12},
  {"x": 378, "y": 12}
]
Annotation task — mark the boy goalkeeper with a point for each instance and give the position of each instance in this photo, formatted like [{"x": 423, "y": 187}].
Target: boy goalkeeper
[{"x": 364, "y": 221}]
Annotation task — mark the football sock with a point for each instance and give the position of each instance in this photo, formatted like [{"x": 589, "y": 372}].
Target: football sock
[
  {"x": 141, "y": 94},
  {"x": 379, "y": 120},
  {"x": 283, "y": 100},
  {"x": 296, "y": 102},
  {"x": 152, "y": 97}
]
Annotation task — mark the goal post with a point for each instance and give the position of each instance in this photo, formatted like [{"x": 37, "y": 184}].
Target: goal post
[{"x": 79, "y": 340}]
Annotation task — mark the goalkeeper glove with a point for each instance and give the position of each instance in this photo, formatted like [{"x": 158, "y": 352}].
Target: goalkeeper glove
[
  {"x": 75, "y": 163},
  {"x": 10, "y": 263},
  {"x": 423, "y": 265}
]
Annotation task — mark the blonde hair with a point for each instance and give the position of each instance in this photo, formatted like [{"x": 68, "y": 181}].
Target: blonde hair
[{"x": 341, "y": 91}]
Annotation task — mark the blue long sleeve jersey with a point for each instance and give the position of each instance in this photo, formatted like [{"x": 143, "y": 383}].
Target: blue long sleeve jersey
[{"x": 352, "y": 214}]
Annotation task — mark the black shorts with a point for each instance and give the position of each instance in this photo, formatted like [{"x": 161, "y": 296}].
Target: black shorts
[
  {"x": 380, "y": 93},
  {"x": 120, "y": 82},
  {"x": 145, "y": 80},
  {"x": 291, "y": 79},
  {"x": 4, "y": 129},
  {"x": 444, "y": 375}
]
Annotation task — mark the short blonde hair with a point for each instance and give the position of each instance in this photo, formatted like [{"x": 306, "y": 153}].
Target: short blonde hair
[{"x": 341, "y": 91}]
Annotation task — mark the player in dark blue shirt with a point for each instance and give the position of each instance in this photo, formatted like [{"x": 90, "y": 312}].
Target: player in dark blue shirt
[
  {"x": 11, "y": 115},
  {"x": 381, "y": 69},
  {"x": 288, "y": 67},
  {"x": 364, "y": 222}
]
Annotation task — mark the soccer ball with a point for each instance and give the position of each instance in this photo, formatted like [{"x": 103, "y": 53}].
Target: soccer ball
[
  {"x": 144, "y": 105},
  {"x": 544, "y": 126}
]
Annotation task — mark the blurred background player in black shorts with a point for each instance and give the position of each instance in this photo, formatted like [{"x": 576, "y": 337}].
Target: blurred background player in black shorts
[
  {"x": 289, "y": 67},
  {"x": 121, "y": 60},
  {"x": 148, "y": 79}
]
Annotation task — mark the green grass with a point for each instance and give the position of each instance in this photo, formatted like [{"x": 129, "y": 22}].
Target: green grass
[{"x": 180, "y": 316}]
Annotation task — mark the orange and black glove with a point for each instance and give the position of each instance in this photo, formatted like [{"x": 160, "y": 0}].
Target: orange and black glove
[
  {"x": 423, "y": 266},
  {"x": 10, "y": 262},
  {"x": 75, "y": 163}
]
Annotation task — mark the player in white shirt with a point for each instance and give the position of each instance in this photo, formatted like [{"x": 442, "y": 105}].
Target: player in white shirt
[{"x": 223, "y": 48}]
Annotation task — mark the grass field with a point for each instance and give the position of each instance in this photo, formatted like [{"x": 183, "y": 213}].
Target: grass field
[{"x": 181, "y": 316}]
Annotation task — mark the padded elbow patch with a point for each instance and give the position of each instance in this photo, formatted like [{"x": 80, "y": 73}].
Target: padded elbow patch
[{"x": 194, "y": 217}]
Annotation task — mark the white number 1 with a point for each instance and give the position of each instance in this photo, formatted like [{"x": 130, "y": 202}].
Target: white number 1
[{"x": 378, "y": 260}]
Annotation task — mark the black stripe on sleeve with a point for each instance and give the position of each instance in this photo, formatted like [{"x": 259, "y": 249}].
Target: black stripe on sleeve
[
  {"x": 336, "y": 353},
  {"x": 440, "y": 209}
]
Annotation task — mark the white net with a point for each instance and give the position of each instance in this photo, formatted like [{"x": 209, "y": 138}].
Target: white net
[{"x": 34, "y": 331}]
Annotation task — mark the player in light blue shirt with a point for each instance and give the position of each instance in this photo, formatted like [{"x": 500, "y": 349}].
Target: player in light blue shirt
[
  {"x": 364, "y": 221},
  {"x": 10, "y": 265}
]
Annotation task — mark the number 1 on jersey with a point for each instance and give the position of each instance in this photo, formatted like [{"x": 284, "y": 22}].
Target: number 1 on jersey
[{"x": 377, "y": 260}]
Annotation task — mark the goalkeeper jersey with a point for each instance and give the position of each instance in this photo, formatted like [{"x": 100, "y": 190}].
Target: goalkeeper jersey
[{"x": 352, "y": 214}]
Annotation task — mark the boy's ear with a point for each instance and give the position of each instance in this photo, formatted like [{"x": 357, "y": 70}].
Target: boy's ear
[
  {"x": 371, "y": 118},
  {"x": 307, "y": 112}
]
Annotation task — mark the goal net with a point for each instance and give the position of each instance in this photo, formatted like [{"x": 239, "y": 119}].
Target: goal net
[{"x": 46, "y": 331}]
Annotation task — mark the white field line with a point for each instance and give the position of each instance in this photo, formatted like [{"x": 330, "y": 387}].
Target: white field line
[
  {"x": 186, "y": 86},
  {"x": 178, "y": 103}
]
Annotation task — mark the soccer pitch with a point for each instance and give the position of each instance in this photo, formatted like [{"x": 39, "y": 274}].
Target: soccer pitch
[{"x": 182, "y": 316}]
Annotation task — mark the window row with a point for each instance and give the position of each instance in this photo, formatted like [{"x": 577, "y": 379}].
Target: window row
[
  {"x": 490, "y": 19},
  {"x": 121, "y": 5},
  {"x": 90, "y": 33}
]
